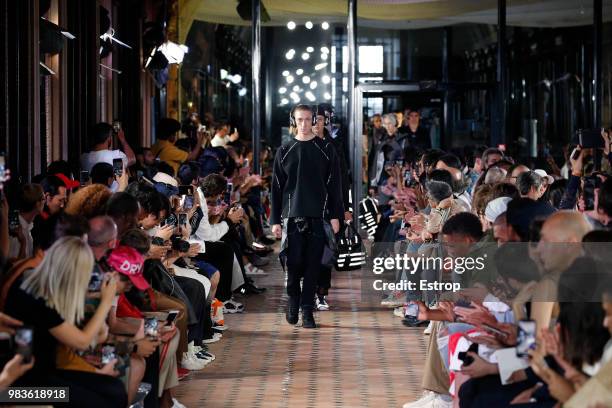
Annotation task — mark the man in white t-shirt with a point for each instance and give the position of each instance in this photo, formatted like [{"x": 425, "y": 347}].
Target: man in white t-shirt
[
  {"x": 222, "y": 138},
  {"x": 101, "y": 138}
]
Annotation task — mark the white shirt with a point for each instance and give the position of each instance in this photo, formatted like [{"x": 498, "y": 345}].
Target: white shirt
[
  {"x": 207, "y": 231},
  {"x": 90, "y": 159},
  {"x": 219, "y": 141},
  {"x": 14, "y": 247}
]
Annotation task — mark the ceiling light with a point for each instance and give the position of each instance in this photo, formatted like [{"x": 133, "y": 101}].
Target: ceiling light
[
  {"x": 305, "y": 56},
  {"x": 306, "y": 79},
  {"x": 173, "y": 52},
  {"x": 310, "y": 96},
  {"x": 324, "y": 56},
  {"x": 285, "y": 73},
  {"x": 309, "y": 25},
  {"x": 310, "y": 49},
  {"x": 320, "y": 66},
  {"x": 223, "y": 73},
  {"x": 242, "y": 92},
  {"x": 282, "y": 90},
  {"x": 291, "y": 25},
  {"x": 289, "y": 79},
  {"x": 236, "y": 78},
  {"x": 284, "y": 101},
  {"x": 325, "y": 25},
  {"x": 327, "y": 96},
  {"x": 290, "y": 54},
  {"x": 299, "y": 71},
  {"x": 294, "y": 97},
  {"x": 325, "y": 50},
  {"x": 313, "y": 84},
  {"x": 326, "y": 79},
  {"x": 296, "y": 88}
]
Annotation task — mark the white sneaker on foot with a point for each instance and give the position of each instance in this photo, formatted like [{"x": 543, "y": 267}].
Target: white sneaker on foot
[
  {"x": 252, "y": 270},
  {"x": 215, "y": 338},
  {"x": 428, "y": 329},
  {"x": 191, "y": 363}
]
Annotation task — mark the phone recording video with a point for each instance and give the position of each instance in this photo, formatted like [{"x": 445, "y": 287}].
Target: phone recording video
[
  {"x": 118, "y": 167},
  {"x": 526, "y": 338},
  {"x": 24, "y": 338},
  {"x": 14, "y": 220},
  {"x": 412, "y": 310},
  {"x": 182, "y": 219},
  {"x": 84, "y": 177},
  {"x": 172, "y": 315},
  {"x": 227, "y": 196},
  {"x": 590, "y": 183}
]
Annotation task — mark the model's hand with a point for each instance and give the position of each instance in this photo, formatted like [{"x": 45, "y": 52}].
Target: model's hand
[
  {"x": 335, "y": 223},
  {"x": 277, "y": 231}
]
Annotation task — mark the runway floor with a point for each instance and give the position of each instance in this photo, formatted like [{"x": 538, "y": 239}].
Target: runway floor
[{"x": 359, "y": 356}]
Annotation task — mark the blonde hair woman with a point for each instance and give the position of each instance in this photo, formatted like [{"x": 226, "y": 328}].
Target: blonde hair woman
[{"x": 51, "y": 300}]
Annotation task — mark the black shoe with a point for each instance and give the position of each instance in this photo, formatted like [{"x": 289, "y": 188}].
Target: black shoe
[
  {"x": 308, "y": 321},
  {"x": 411, "y": 321},
  {"x": 292, "y": 314}
]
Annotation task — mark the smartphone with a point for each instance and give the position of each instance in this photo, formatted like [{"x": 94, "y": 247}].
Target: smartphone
[
  {"x": 399, "y": 163},
  {"x": 412, "y": 310},
  {"x": 172, "y": 315},
  {"x": 116, "y": 126},
  {"x": 186, "y": 190},
  {"x": 170, "y": 220},
  {"x": 118, "y": 167},
  {"x": 467, "y": 359},
  {"x": 24, "y": 337},
  {"x": 526, "y": 337},
  {"x": 187, "y": 202},
  {"x": 407, "y": 177},
  {"x": 464, "y": 303},
  {"x": 84, "y": 177},
  {"x": 245, "y": 163},
  {"x": 182, "y": 219},
  {"x": 227, "y": 197},
  {"x": 588, "y": 191},
  {"x": 575, "y": 153},
  {"x": 150, "y": 327},
  {"x": 493, "y": 330},
  {"x": 14, "y": 220},
  {"x": 590, "y": 138}
]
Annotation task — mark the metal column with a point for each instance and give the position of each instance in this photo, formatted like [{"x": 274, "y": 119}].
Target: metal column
[
  {"x": 498, "y": 133},
  {"x": 597, "y": 53},
  {"x": 446, "y": 55},
  {"x": 256, "y": 80},
  {"x": 355, "y": 136}
]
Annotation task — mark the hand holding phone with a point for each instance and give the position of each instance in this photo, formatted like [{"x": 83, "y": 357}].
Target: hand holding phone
[
  {"x": 24, "y": 339},
  {"x": 118, "y": 167}
]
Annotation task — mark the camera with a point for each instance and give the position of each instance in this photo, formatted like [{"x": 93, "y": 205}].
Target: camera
[{"x": 179, "y": 244}]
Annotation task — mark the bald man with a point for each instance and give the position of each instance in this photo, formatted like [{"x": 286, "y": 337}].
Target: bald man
[
  {"x": 461, "y": 196},
  {"x": 518, "y": 169},
  {"x": 559, "y": 245},
  {"x": 102, "y": 235}
]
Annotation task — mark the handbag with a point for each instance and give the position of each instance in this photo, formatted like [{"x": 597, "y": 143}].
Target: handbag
[
  {"x": 368, "y": 208},
  {"x": 351, "y": 254}
]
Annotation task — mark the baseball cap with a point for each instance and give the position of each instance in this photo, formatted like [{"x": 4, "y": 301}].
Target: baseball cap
[
  {"x": 127, "y": 261},
  {"x": 543, "y": 174},
  {"x": 69, "y": 183},
  {"x": 496, "y": 207}
]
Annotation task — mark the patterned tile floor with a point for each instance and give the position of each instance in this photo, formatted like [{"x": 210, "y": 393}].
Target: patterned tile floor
[{"x": 360, "y": 356}]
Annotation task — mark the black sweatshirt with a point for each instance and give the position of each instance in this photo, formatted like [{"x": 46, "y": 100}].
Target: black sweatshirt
[{"x": 306, "y": 181}]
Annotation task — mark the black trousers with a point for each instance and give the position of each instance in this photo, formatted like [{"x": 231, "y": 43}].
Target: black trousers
[
  {"x": 220, "y": 255},
  {"x": 304, "y": 252},
  {"x": 324, "y": 282},
  {"x": 91, "y": 389},
  {"x": 197, "y": 296}
]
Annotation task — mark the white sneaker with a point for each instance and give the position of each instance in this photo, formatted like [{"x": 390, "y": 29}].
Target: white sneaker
[
  {"x": 176, "y": 404},
  {"x": 392, "y": 302},
  {"x": 428, "y": 329},
  {"x": 442, "y": 401},
  {"x": 399, "y": 311},
  {"x": 427, "y": 398},
  {"x": 252, "y": 270},
  {"x": 321, "y": 303},
  {"x": 215, "y": 338},
  {"x": 191, "y": 363},
  {"x": 231, "y": 306}
]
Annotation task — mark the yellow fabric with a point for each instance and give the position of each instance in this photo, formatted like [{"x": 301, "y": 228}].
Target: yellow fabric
[
  {"x": 67, "y": 359},
  {"x": 169, "y": 153},
  {"x": 281, "y": 11}
]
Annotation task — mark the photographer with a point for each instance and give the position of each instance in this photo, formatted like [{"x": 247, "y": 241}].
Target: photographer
[{"x": 102, "y": 139}]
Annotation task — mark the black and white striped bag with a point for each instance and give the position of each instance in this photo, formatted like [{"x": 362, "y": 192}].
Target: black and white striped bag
[{"x": 351, "y": 253}]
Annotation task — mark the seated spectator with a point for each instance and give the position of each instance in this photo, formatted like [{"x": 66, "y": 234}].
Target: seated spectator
[
  {"x": 164, "y": 148},
  {"x": 89, "y": 201},
  {"x": 30, "y": 204},
  {"x": 102, "y": 173}
]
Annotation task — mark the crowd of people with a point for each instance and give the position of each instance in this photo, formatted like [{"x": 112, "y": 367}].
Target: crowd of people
[
  {"x": 532, "y": 327},
  {"x": 117, "y": 275}
]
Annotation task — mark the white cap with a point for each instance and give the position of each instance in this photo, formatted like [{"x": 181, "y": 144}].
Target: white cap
[
  {"x": 496, "y": 207},
  {"x": 165, "y": 178},
  {"x": 545, "y": 175}
]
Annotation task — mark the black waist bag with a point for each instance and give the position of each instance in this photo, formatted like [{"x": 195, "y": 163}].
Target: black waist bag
[{"x": 351, "y": 254}]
